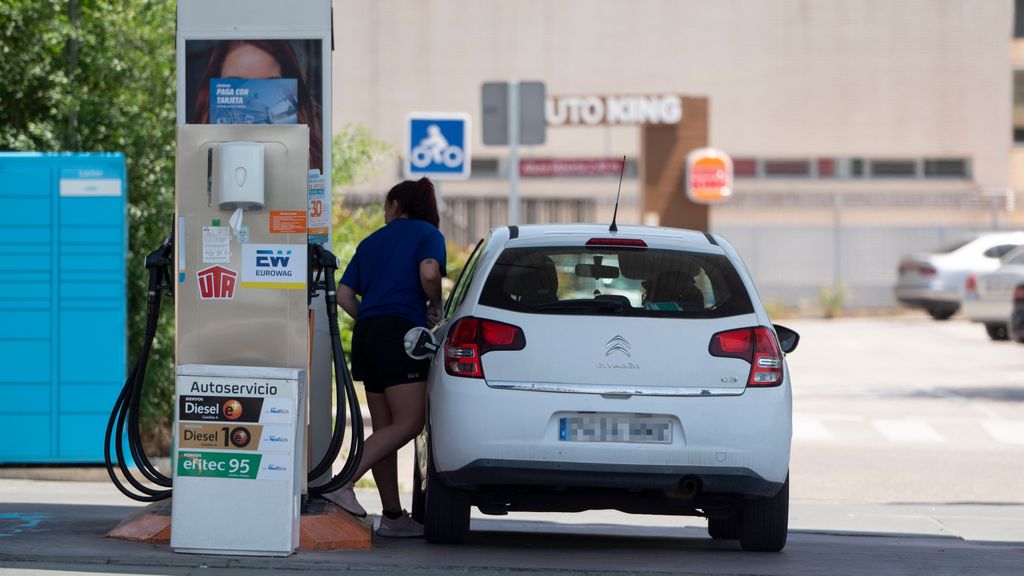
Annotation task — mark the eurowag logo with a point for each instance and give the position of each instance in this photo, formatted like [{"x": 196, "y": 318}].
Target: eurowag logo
[{"x": 273, "y": 263}]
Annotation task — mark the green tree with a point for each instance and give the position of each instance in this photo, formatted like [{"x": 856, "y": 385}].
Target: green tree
[{"x": 92, "y": 76}]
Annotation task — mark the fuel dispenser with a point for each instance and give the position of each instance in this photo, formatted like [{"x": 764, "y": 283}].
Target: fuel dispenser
[{"x": 243, "y": 279}]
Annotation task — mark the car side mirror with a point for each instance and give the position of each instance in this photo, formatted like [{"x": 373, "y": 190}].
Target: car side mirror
[{"x": 788, "y": 338}]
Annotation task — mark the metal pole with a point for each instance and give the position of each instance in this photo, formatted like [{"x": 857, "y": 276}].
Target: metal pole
[{"x": 513, "y": 153}]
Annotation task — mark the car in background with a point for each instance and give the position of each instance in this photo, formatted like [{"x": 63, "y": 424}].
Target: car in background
[
  {"x": 580, "y": 368},
  {"x": 935, "y": 281},
  {"x": 988, "y": 296},
  {"x": 1016, "y": 327}
]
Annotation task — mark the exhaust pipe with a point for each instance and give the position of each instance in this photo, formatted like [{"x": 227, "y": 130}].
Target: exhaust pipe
[{"x": 690, "y": 486}]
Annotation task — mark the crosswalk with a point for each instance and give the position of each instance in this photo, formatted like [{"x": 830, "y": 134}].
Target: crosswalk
[{"x": 859, "y": 429}]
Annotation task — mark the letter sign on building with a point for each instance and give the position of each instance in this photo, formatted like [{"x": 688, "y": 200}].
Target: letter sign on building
[{"x": 708, "y": 176}]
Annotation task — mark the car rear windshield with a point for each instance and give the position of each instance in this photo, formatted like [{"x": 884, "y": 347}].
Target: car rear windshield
[{"x": 616, "y": 282}]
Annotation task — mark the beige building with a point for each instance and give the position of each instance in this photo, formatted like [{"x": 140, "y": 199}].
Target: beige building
[{"x": 860, "y": 129}]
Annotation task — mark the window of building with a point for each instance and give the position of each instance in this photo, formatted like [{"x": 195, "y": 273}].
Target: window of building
[
  {"x": 893, "y": 169},
  {"x": 787, "y": 168},
  {"x": 1018, "y": 101},
  {"x": 826, "y": 168},
  {"x": 857, "y": 168},
  {"x": 1018, "y": 19},
  {"x": 946, "y": 168},
  {"x": 484, "y": 168},
  {"x": 744, "y": 167}
]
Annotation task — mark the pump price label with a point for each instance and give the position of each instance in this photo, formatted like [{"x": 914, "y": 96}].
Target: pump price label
[
  {"x": 239, "y": 466},
  {"x": 219, "y": 465}
]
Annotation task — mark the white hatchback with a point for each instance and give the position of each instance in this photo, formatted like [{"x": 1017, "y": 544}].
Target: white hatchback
[{"x": 585, "y": 369}]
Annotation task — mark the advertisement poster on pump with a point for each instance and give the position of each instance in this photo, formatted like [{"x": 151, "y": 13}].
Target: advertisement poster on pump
[{"x": 264, "y": 81}]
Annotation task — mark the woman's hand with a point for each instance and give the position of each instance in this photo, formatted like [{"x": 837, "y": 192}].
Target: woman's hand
[{"x": 435, "y": 313}]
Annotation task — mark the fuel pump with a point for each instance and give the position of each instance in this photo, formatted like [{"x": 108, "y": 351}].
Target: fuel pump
[{"x": 243, "y": 294}]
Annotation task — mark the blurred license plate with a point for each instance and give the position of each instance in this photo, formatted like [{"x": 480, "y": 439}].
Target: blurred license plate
[{"x": 601, "y": 427}]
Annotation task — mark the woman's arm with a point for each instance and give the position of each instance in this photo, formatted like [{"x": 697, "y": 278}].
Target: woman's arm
[
  {"x": 430, "y": 280},
  {"x": 347, "y": 300}
]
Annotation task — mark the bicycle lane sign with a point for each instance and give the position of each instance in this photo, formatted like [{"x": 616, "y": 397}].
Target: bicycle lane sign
[{"x": 437, "y": 145}]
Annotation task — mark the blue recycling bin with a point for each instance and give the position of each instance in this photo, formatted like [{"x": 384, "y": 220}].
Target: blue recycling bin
[{"x": 62, "y": 303}]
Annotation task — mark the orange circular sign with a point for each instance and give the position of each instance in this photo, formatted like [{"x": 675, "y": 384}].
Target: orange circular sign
[{"x": 708, "y": 176}]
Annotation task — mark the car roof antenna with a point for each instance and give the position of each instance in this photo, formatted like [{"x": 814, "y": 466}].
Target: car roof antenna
[{"x": 615, "y": 215}]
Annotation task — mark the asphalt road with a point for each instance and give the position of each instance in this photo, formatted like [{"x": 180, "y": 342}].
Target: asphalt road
[{"x": 908, "y": 458}]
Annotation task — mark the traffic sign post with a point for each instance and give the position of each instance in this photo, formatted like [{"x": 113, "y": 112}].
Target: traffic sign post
[
  {"x": 437, "y": 145},
  {"x": 513, "y": 114}
]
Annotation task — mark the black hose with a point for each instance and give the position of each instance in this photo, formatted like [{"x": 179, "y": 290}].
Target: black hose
[
  {"x": 344, "y": 386},
  {"x": 127, "y": 406}
]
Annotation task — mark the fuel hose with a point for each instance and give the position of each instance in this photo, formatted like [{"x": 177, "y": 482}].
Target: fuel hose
[{"x": 124, "y": 424}]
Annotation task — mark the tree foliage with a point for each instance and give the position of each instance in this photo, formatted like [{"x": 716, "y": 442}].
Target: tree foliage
[{"x": 98, "y": 76}]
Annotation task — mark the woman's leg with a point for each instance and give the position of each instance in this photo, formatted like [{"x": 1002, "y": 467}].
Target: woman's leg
[
  {"x": 385, "y": 472},
  {"x": 406, "y": 404}
]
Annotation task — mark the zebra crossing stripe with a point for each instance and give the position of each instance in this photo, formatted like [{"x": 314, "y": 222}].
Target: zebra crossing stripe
[{"x": 908, "y": 431}]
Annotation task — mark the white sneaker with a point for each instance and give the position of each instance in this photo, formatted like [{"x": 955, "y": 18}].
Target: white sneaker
[
  {"x": 402, "y": 527},
  {"x": 345, "y": 497}
]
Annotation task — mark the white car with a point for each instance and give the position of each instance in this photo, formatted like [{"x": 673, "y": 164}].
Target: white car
[
  {"x": 585, "y": 369},
  {"x": 935, "y": 281},
  {"x": 988, "y": 297}
]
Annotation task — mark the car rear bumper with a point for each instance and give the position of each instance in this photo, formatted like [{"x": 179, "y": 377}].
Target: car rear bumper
[
  {"x": 988, "y": 311},
  {"x": 513, "y": 473},
  {"x": 471, "y": 423},
  {"x": 928, "y": 297}
]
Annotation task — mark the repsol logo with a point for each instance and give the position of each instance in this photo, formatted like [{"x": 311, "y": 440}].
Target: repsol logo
[{"x": 219, "y": 408}]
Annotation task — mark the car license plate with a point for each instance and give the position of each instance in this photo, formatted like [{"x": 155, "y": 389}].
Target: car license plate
[{"x": 605, "y": 427}]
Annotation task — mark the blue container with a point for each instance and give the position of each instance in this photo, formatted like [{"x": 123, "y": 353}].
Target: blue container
[{"x": 62, "y": 304}]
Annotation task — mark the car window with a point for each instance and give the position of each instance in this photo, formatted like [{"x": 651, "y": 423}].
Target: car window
[
  {"x": 999, "y": 251},
  {"x": 465, "y": 278},
  {"x": 1014, "y": 257},
  {"x": 618, "y": 282}
]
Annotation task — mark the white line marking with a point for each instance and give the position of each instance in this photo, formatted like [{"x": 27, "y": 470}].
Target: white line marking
[
  {"x": 1006, "y": 431},
  {"x": 905, "y": 431},
  {"x": 810, "y": 429}
]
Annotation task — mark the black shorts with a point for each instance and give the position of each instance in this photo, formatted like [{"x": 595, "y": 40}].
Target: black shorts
[{"x": 378, "y": 354}]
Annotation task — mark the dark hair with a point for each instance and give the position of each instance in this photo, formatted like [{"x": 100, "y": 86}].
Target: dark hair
[
  {"x": 282, "y": 53},
  {"x": 416, "y": 200}
]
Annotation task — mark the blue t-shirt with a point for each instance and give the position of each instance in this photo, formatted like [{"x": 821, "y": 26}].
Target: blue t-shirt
[{"x": 385, "y": 270}]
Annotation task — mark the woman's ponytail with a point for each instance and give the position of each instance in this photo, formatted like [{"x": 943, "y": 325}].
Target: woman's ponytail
[{"x": 416, "y": 199}]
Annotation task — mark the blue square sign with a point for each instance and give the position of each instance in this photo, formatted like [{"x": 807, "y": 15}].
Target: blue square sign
[{"x": 437, "y": 146}]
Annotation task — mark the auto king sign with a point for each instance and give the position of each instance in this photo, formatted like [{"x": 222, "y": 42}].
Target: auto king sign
[{"x": 708, "y": 176}]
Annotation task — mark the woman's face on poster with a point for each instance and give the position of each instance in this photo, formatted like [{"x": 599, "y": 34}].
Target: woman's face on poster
[{"x": 248, "y": 61}]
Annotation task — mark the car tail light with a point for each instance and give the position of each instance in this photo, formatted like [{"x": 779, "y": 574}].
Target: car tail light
[
  {"x": 616, "y": 242},
  {"x": 1018, "y": 294},
  {"x": 920, "y": 267},
  {"x": 756, "y": 345},
  {"x": 971, "y": 285},
  {"x": 470, "y": 338}
]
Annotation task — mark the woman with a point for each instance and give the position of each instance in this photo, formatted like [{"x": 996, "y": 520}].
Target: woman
[
  {"x": 397, "y": 273},
  {"x": 261, "y": 59}
]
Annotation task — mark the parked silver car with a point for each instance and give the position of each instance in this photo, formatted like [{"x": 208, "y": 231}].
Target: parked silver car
[
  {"x": 988, "y": 296},
  {"x": 935, "y": 281}
]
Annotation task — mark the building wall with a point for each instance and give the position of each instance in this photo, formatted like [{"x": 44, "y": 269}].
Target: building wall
[{"x": 873, "y": 78}]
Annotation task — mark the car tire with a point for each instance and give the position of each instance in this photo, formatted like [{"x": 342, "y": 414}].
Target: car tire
[
  {"x": 941, "y": 313},
  {"x": 446, "y": 519},
  {"x": 997, "y": 331},
  {"x": 765, "y": 522},
  {"x": 419, "y": 495},
  {"x": 726, "y": 528}
]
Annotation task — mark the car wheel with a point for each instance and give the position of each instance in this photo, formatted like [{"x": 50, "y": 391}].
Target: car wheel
[
  {"x": 726, "y": 528},
  {"x": 997, "y": 331},
  {"x": 419, "y": 495},
  {"x": 447, "y": 510},
  {"x": 765, "y": 523},
  {"x": 941, "y": 313}
]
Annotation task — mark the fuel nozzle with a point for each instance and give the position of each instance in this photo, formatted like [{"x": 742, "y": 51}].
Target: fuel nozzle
[
  {"x": 159, "y": 262},
  {"x": 322, "y": 265}
]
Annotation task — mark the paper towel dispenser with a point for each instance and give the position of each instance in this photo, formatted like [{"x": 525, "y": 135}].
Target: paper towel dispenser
[{"x": 240, "y": 175}]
